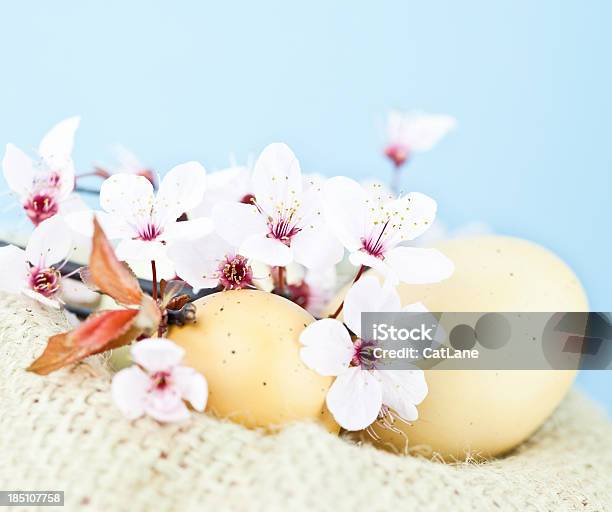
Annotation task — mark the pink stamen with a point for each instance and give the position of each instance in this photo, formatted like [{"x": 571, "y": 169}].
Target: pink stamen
[
  {"x": 40, "y": 207},
  {"x": 149, "y": 232},
  {"x": 161, "y": 380},
  {"x": 375, "y": 246},
  {"x": 283, "y": 230},
  {"x": 363, "y": 355},
  {"x": 45, "y": 281},
  {"x": 235, "y": 273}
]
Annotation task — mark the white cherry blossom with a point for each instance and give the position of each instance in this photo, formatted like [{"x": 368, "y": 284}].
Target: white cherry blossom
[
  {"x": 233, "y": 184},
  {"x": 361, "y": 393},
  {"x": 35, "y": 272},
  {"x": 127, "y": 163},
  {"x": 145, "y": 222},
  {"x": 285, "y": 221},
  {"x": 414, "y": 132},
  {"x": 372, "y": 227},
  {"x": 313, "y": 289},
  {"x": 157, "y": 385},
  {"x": 44, "y": 187},
  {"x": 209, "y": 262}
]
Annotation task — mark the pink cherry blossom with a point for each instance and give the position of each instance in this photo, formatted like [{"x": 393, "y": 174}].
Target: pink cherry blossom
[
  {"x": 44, "y": 188},
  {"x": 35, "y": 272},
  {"x": 157, "y": 385},
  {"x": 314, "y": 289},
  {"x": 414, "y": 132},
  {"x": 147, "y": 223},
  {"x": 233, "y": 184},
  {"x": 284, "y": 223},
  {"x": 362, "y": 393},
  {"x": 127, "y": 163},
  {"x": 373, "y": 227},
  {"x": 209, "y": 262}
]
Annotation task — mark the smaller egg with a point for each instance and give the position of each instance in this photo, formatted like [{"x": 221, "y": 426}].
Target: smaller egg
[{"x": 246, "y": 343}]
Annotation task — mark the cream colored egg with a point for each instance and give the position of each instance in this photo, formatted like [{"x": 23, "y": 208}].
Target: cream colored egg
[
  {"x": 490, "y": 412},
  {"x": 246, "y": 344}
]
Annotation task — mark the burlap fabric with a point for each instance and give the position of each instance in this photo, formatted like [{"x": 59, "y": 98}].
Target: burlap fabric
[{"x": 63, "y": 432}]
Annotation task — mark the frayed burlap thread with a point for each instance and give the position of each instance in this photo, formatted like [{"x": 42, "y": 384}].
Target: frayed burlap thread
[{"x": 62, "y": 432}]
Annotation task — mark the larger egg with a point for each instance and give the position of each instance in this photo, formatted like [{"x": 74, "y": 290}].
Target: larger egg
[{"x": 486, "y": 412}]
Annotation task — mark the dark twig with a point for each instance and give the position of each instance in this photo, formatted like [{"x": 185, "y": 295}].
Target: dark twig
[{"x": 72, "y": 267}]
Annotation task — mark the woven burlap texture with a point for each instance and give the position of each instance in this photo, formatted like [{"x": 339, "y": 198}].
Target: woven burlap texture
[{"x": 62, "y": 432}]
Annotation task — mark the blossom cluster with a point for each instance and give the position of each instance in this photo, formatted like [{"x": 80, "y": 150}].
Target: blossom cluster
[{"x": 244, "y": 227}]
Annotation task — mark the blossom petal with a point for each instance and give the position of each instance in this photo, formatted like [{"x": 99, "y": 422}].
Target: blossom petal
[
  {"x": 192, "y": 385},
  {"x": 127, "y": 161},
  {"x": 157, "y": 354},
  {"x": 19, "y": 171},
  {"x": 328, "y": 348},
  {"x": 72, "y": 203},
  {"x": 410, "y": 215},
  {"x": 129, "y": 197},
  {"x": 346, "y": 206},
  {"x": 267, "y": 250},
  {"x": 13, "y": 269},
  {"x": 56, "y": 146},
  {"x": 75, "y": 292},
  {"x": 49, "y": 302},
  {"x": 113, "y": 226},
  {"x": 367, "y": 295},
  {"x": 50, "y": 242},
  {"x": 56, "y": 150},
  {"x": 417, "y": 130},
  {"x": 230, "y": 184},
  {"x": 129, "y": 389},
  {"x": 140, "y": 250},
  {"x": 181, "y": 190},
  {"x": 277, "y": 178},
  {"x": 316, "y": 248},
  {"x": 235, "y": 222},
  {"x": 166, "y": 405},
  {"x": 413, "y": 265},
  {"x": 378, "y": 190},
  {"x": 355, "y": 399},
  {"x": 359, "y": 258},
  {"x": 197, "y": 262},
  {"x": 188, "y": 229},
  {"x": 310, "y": 209},
  {"x": 402, "y": 390}
]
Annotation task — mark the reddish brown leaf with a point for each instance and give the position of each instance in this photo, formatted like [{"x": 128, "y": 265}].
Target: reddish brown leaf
[
  {"x": 109, "y": 274},
  {"x": 101, "y": 331},
  {"x": 177, "y": 303}
]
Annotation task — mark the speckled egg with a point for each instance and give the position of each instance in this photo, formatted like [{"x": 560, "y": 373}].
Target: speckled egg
[
  {"x": 489, "y": 412},
  {"x": 246, "y": 343}
]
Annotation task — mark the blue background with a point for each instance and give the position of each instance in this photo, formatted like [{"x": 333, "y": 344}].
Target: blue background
[{"x": 529, "y": 82}]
